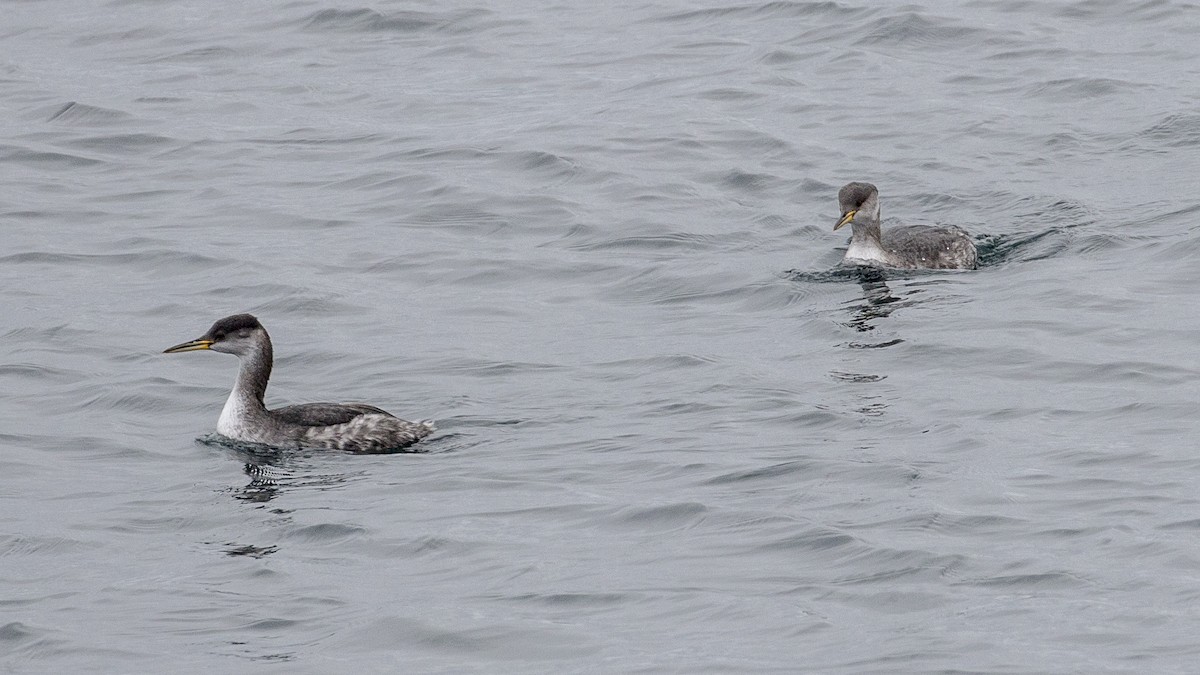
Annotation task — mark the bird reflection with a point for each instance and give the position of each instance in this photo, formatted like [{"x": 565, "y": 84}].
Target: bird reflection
[
  {"x": 265, "y": 466},
  {"x": 878, "y": 303},
  {"x": 262, "y": 487}
]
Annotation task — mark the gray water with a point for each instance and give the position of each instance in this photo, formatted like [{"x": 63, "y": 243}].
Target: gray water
[{"x": 593, "y": 241}]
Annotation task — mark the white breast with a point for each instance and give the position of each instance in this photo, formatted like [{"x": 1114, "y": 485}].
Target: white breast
[
  {"x": 865, "y": 253},
  {"x": 232, "y": 423}
]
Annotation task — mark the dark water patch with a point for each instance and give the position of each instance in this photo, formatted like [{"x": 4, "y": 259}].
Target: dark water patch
[
  {"x": 500, "y": 643},
  {"x": 893, "y": 564},
  {"x": 873, "y": 279},
  {"x": 199, "y": 54},
  {"x": 1064, "y": 142},
  {"x": 914, "y": 31},
  {"x": 682, "y": 241},
  {"x": 835, "y": 11},
  {"x": 369, "y": 20},
  {"x": 859, "y": 378},
  {"x": 980, "y": 525},
  {"x": 138, "y": 195},
  {"x": 296, "y": 303},
  {"x": 808, "y": 419},
  {"x": 1000, "y": 248},
  {"x": 713, "y": 46},
  {"x": 60, "y": 334},
  {"x": 485, "y": 368},
  {"x": 125, "y": 143},
  {"x": 16, "y": 632},
  {"x": 170, "y": 100},
  {"x": 403, "y": 22},
  {"x": 1150, "y": 11},
  {"x": 36, "y": 159},
  {"x": 1076, "y": 88},
  {"x": 680, "y": 295},
  {"x": 135, "y": 403},
  {"x": 1178, "y": 130},
  {"x": 1184, "y": 249},
  {"x": 1059, "y": 580},
  {"x": 581, "y": 600},
  {"x": 430, "y": 545},
  {"x": 677, "y": 408},
  {"x": 836, "y": 275},
  {"x": 475, "y": 219},
  {"x": 1185, "y": 215},
  {"x": 727, "y": 94},
  {"x": 743, "y": 181},
  {"x": 786, "y": 57},
  {"x": 123, "y": 38},
  {"x": 81, "y": 114},
  {"x": 1189, "y": 524},
  {"x": 41, "y": 373},
  {"x": 874, "y": 345},
  {"x": 775, "y": 471},
  {"x": 270, "y": 626},
  {"x": 1099, "y": 242},
  {"x": 656, "y": 286},
  {"x": 935, "y": 201},
  {"x": 151, "y": 524},
  {"x": 249, "y": 550},
  {"x": 25, "y": 545},
  {"x": 547, "y": 165},
  {"x": 1029, "y": 54},
  {"x": 383, "y": 180},
  {"x": 57, "y": 215},
  {"x": 325, "y": 533},
  {"x": 643, "y": 365},
  {"x": 895, "y": 572},
  {"x": 1126, "y": 373},
  {"x": 815, "y": 539},
  {"x": 308, "y": 136},
  {"x": 261, "y": 461},
  {"x": 167, "y": 262},
  {"x": 267, "y": 288},
  {"x": 661, "y": 518},
  {"x": 449, "y": 154},
  {"x": 742, "y": 140}
]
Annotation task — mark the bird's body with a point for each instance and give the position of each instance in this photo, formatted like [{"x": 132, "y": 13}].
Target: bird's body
[
  {"x": 352, "y": 427},
  {"x": 906, "y": 247}
]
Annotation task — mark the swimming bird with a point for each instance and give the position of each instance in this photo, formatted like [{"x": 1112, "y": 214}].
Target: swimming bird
[
  {"x": 352, "y": 427},
  {"x": 907, "y": 247}
]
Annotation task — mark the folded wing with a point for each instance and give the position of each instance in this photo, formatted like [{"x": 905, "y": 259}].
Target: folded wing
[{"x": 325, "y": 414}]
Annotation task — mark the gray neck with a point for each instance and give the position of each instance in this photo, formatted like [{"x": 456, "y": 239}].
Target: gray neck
[
  {"x": 253, "y": 374},
  {"x": 866, "y": 232}
]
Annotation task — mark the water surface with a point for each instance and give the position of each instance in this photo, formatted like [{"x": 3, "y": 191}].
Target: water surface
[{"x": 593, "y": 240}]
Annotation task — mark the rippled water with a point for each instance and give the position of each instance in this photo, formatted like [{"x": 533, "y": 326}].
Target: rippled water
[{"x": 593, "y": 241}]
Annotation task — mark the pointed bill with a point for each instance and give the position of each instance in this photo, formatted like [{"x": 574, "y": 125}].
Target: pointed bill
[{"x": 190, "y": 346}]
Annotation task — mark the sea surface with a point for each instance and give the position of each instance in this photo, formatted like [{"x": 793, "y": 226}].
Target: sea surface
[{"x": 593, "y": 241}]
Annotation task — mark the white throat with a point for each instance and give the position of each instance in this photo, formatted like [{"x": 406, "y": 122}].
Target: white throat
[
  {"x": 233, "y": 422},
  {"x": 865, "y": 251}
]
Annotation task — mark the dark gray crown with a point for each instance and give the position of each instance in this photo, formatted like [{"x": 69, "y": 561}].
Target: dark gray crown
[
  {"x": 232, "y": 324},
  {"x": 852, "y": 195}
]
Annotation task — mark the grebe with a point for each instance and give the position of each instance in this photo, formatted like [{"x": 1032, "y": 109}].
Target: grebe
[
  {"x": 907, "y": 247},
  {"x": 351, "y": 427}
]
